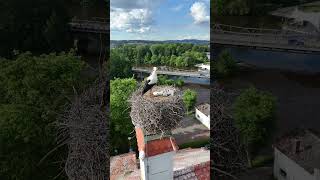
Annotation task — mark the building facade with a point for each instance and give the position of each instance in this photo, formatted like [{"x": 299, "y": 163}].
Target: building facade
[
  {"x": 203, "y": 114},
  {"x": 297, "y": 156}
]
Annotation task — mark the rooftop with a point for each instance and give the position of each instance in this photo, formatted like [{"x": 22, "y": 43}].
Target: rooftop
[
  {"x": 190, "y": 157},
  {"x": 302, "y": 146},
  {"x": 188, "y": 164},
  {"x": 204, "y": 108}
]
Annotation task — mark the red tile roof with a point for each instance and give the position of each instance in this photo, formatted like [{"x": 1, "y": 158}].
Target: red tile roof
[
  {"x": 160, "y": 146},
  {"x": 189, "y": 164},
  {"x": 155, "y": 147},
  {"x": 121, "y": 164},
  {"x": 192, "y": 164}
]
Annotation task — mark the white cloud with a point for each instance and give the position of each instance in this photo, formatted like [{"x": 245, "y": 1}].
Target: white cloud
[
  {"x": 133, "y": 16},
  {"x": 198, "y": 37},
  {"x": 133, "y": 21},
  {"x": 134, "y": 4},
  {"x": 200, "y": 13},
  {"x": 177, "y": 8}
]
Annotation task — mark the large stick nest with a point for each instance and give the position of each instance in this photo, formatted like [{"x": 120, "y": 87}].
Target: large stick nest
[
  {"x": 84, "y": 129},
  {"x": 227, "y": 151},
  {"x": 157, "y": 114}
]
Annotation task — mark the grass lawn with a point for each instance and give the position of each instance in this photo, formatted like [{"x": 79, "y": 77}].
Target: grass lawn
[
  {"x": 262, "y": 160},
  {"x": 195, "y": 144}
]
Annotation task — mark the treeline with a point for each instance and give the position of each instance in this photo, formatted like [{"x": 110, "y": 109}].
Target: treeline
[
  {"x": 39, "y": 26},
  {"x": 174, "y": 55},
  {"x": 250, "y": 7},
  {"x": 34, "y": 91}
]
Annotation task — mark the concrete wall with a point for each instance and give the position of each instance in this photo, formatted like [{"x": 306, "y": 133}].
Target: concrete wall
[
  {"x": 205, "y": 120},
  {"x": 293, "y": 170},
  {"x": 159, "y": 167}
]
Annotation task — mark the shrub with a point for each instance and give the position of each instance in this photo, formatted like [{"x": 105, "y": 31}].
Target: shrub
[
  {"x": 225, "y": 65},
  {"x": 189, "y": 99}
]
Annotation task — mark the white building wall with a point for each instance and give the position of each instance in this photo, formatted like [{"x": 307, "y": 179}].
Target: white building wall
[
  {"x": 205, "y": 120},
  {"x": 292, "y": 169},
  {"x": 159, "y": 167}
]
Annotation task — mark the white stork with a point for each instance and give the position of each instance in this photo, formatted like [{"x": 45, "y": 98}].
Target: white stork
[{"x": 151, "y": 81}]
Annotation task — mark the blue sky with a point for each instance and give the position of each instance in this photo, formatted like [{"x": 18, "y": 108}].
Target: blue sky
[{"x": 159, "y": 19}]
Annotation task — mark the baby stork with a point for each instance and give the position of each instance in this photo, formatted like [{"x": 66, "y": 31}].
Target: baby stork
[{"x": 151, "y": 81}]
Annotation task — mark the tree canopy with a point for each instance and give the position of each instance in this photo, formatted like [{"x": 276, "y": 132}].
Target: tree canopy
[
  {"x": 39, "y": 26},
  {"x": 246, "y": 7},
  {"x": 175, "y": 55},
  {"x": 189, "y": 99},
  {"x": 121, "y": 125},
  {"x": 33, "y": 92},
  {"x": 225, "y": 65},
  {"x": 120, "y": 64},
  {"x": 254, "y": 115},
  {"x": 164, "y": 80}
]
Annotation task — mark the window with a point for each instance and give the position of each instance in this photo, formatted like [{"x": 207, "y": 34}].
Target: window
[{"x": 283, "y": 173}]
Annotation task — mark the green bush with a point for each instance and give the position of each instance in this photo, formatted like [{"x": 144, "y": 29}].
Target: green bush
[
  {"x": 195, "y": 144},
  {"x": 261, "y": 161},
  {"x": 189, "y": 99},
  {"x": 121, "y": 126},
  {"x": 164, "y": 80},
  {"x": 224, "y": 66},
  {"x": 179, "y": 83},
  {"x": 254, "y": 114}
]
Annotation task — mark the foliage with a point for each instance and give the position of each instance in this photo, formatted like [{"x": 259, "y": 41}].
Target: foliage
[
  {"x": 262, "y": 160},
  {"x": 179, "y": 82},
  {"x": 120, "y": 66},
  {"x": 254, "y": 114},
  {"x": 195, "y": 144},
  {"x": 175, "y": 55},
  {"x": 121, "y": 125},
  {"x": 33, "y": 92},
  {"x": 249, "y": 7},
  {"x": 189, "y": 99},
  {"x": 225, "y": 65},
  {"x": 163, "y": 80},
  {"x": 39, "y": 26},
  {"x": 231, "y": 7}
]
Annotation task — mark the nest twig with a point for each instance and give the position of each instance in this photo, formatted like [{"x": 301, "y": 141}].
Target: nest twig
[
  {"x": 228, "y": 155},
  {"x": 156, "y": 115},
  {"x": 84, "y": 129}
]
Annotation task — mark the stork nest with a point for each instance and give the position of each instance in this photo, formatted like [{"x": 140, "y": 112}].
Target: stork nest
[
  {"x": 84, "y": 129},
  {"x": 157, "y": 114}
]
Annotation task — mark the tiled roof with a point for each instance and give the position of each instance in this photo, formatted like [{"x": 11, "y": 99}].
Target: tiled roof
[
  {"x": 192, "y": 164},
  {"x": 122, "y": 164},
  {"x": 204, "y": 108},
  {"x": 307, "y": 155},
  {"x": 189, "y": 164},
  {"x": 160, "y": 146},
  {"x": 155, "y": 147}
]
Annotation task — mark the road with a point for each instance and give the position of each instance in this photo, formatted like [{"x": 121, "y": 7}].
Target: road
[{"x": 172, "y": 73}]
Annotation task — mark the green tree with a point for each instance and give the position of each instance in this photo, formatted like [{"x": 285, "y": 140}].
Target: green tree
[
  {"x": 254, "y": 114},
  {"x": 34, "y": 91},
  {"x": 179, "y": 82},
  {"x": 225, "y": 65},
  {"x": 121, "y": 66},
  {"x": 39, "y": 26},
  {"x": 164, "y": 80},
  {"x": 189, "y": 99},
  {"x": 121, "y": 125}
]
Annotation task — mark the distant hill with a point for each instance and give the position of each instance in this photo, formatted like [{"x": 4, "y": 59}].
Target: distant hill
[{"x": 191, "y": 41}]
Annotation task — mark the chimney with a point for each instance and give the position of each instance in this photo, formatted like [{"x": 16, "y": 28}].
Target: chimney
[
  {"x": 155, "y": 155},
  {"x": 296, "y": 146},
  {"x": 316, "y": 174}
]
